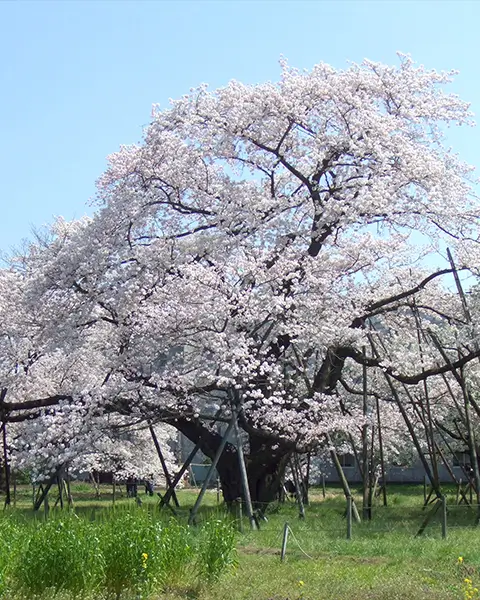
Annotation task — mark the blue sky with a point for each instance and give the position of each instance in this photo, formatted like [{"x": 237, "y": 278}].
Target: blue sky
[{"x": 78, "y": 78}]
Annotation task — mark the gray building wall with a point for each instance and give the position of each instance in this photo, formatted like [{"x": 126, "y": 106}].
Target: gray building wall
[{"x": 394, "y": 474}]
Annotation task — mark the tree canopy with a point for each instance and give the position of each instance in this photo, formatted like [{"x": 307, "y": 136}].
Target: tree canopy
[{"x": 259, "y": 248}]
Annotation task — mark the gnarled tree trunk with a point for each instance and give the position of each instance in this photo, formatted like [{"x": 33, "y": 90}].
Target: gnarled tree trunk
[{"x": 265, "y": 462}]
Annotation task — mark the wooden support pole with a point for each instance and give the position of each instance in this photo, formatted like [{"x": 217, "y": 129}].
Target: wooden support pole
[
  {"x": 6, "y": 465},
  {"x": 301, "y": 508},
  {"x": 44, "y": 491},
  {"x": 243, "y": 474},
  {"x": 168, "y": 479},
  {"x": 307, "y": 479},
  {"x": 427, "y": 500},
  {"x": 218, "y": 454},
  {"x": 428, "y": 517},
  {"x": 168, "y": 494},
  {"x": 68, "y": 487},
  {"x": 284, "y": 542},
  {"x": 163, "y": 503},
  {"x": 171, "y": 488},
  {"x": 428, "y": 422},
  {"x": 302, "y": 480},
  {"x": 434, "y": 446},
  {"x": 60, "y": 489},
  {"x": 473, "y": 450},
  {"x": 366, "y": 500},
  {"x": 239, "y": 514},
  {"x": 459, "y": 489},
  {"x": 349, "y": 517},
  {"x": 343, "y": 479},
  {"x": 382, "y": 458},
  {"x": 467, "y": 395},
  {"x": 67, "y": 494},
  {"x": 444, "y": 517},
  {"x": 409, "y": 425},
  {"x": 96, "y": 485},
  {"x": 298, "y": 470}
]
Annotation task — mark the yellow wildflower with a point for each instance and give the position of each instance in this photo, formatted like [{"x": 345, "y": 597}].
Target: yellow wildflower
[{"x": 460, "y": 560}]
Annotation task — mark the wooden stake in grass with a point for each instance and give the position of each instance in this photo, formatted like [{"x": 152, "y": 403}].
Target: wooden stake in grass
[
  {"x": 284, "y": 542},
  {"x": 444, "y": 516},
  {"x": 349, "y": 517},
  {"x": 238, "y": 502}
]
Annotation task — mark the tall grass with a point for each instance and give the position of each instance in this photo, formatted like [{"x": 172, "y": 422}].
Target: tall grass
[
  {"x": 11, "y": 538},
  {"x": 125, "y": 554},
  {"x": 129, "y": 546},
  {"x": 59, "y": 554},
  {"x": 217, "y": 552},
  {"x": 176, "y": 552},
  {"x": 132, "y": 553}
]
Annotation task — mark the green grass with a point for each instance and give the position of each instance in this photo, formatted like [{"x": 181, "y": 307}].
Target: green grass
[{"x": 383, "y": 560}]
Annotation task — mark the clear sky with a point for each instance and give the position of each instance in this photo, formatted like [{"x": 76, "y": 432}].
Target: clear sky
[{"x": 78, "y": 78}]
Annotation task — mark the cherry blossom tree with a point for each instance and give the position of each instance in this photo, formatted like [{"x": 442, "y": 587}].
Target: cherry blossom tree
[{"x": 244, "y": 256}]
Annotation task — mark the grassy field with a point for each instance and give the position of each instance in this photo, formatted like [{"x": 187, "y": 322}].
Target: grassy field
[{"x": 383, "y": 560}]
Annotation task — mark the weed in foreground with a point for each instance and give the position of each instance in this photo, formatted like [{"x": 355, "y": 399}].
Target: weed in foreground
[
  {"x": 59, "y": 555},
  {"x": 217, "y": 552}
]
